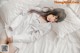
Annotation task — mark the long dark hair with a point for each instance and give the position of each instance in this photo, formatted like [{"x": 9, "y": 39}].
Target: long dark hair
[{"x": 56, "y": 12}]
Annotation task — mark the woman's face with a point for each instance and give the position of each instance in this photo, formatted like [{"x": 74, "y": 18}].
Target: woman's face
[{"x": 51, "y": 18}]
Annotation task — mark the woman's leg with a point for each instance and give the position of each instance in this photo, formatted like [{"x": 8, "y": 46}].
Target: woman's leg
[
  {"x": 3, "y": 38},
  {"x": 12, "y": 49},
  {"x": 3, "y": 41}
]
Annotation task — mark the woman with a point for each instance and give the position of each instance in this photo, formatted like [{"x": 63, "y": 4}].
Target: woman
[
  {"x": 48, "y": 17},
  {"x": 38, "y": 24}
]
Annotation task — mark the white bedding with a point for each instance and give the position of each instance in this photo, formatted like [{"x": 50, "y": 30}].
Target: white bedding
[{"x": 64, "y": 37}]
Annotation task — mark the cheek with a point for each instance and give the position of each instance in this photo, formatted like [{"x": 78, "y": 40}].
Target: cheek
[{"x": 52, "y": 19}]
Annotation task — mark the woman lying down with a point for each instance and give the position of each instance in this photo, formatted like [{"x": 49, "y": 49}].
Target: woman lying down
[{"x": 39, "y": 24}]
